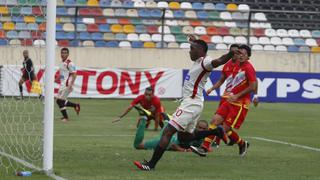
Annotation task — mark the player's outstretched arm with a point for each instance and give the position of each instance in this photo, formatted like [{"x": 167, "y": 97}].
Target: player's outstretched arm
[
  {"x": 123, "y": 114},
  {"x": 251, "y": 88},
  {"x": 222, "y": 60}
]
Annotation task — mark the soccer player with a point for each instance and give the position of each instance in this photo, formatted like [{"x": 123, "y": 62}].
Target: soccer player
[
  {"x": 232, "y": 112},
  {"x": 187, "y": 114},
  {"x": 27, "y": 72},
  {"x": 68, "y": 74},
  {"x": 149, "y": 102}
]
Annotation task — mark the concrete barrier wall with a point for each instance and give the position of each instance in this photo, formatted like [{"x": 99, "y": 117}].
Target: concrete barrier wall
[{"x": 171, "y": 58}]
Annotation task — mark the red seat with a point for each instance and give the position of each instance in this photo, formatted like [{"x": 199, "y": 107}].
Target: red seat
[
  {"x": 26, "y": 42},
  {"x": 212, "y": 30},
  {"x": 124, "y": 21},
  {"x": 36, "y": 35},
  {"x": 96, "y": 12},
  {"x": 258, "y": 32},
  {"x": 37, "y": 11},
  {"x": 93, "y": 28},
  {"x": 224, "y": 31},
  {"x": 206, "y": 38},
  {"x": 195, "y": 23},
  {"x": 152, "y": 29},
  {"x": 63, "y": 43},
  {"x": 2, "y": 35},
  {"x": 318, "y": 42},
  {"x": 84, "y": 11},
  {"x": 100, "y": 20}
]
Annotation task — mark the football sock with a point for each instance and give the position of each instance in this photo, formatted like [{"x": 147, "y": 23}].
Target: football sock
[
  {"x": 235, "y": 137},
  {"x": 139, "y": 133},
  {"x": 218, "y": 140},
  {"x": 20, "y": 88},
  {"x": 70, "y": 104},
  {"x": 63, "y": 110},
  {"x": 157, "y": 154},
  {"x": 208, "y": 140}
]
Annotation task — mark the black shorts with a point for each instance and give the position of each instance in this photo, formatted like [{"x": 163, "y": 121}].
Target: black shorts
[{"x": 28, "y": 76}]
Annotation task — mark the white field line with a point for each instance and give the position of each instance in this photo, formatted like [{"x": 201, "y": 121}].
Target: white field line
[
  {"x": 286, "y": 143},
  {"x": 29, "y": 165}
]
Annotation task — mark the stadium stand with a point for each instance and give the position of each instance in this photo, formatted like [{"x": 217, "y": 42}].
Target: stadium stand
[{"x": 139, "y": 24}]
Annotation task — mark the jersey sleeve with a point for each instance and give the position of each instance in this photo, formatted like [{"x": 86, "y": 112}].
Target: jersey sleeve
[
  {"x": 72, "y": 67},
  {"x": 206, "y": 64},
  {"x": 136, "y": 101},
  {"x": 251, "y": 74}
]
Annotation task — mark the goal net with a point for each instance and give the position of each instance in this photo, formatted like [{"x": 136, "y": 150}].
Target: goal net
[{"x": 21, "y": 119}]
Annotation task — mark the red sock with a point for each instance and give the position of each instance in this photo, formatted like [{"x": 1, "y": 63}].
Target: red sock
[
  {"x": 235, "y": 137},
  {"x": 207, "y": 142},
  {"x": 218, "y": 141}
]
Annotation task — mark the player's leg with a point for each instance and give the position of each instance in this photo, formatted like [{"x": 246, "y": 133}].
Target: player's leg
[
  {"x": 21, "y": 81},
  {"x": 76, "y": 106},
  {"x": 138, "y": 139},
  {"x": 63, "y": 109}
]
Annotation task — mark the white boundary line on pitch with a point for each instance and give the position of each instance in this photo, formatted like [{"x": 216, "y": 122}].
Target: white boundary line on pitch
[
  {"x": 286, "y": 143},
  {"x": 29, "y": 165}
]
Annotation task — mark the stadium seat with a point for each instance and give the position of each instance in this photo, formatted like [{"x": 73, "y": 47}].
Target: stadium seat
[
  {"x": 305, "y": 33},
  {"x": 257, "y": 47},
  {"x": 281, "y": 48},
  {"x": 128, "y": 29},
  {"x": 4, "y": 10},
  {"x": 220, "y": 6},
  {"x": 235, "y": 31},
  {"x": 224, "y": 31},
  {"x": 116, "y": 28},
  {"x": 190, "y": 14},
  {"x": 208, "y": 6},
  {"x": 237, "y": 16},
  {"x": 33, "y": 27},
  {"x": 149, "y": 45},
  {"x": 108, "y": 36},
  {"x": 188, "y": 30},
  {"x": 68, "y": 27},
  {"x": 195, "y": 23},
  {"x": 174, "y": 5},
  {"x": 183, "y": 23},
  {"x": 93, "y": 3},
  {"x": 124, "y": 21},
  {"x": 254, "y": 40},
  {"x": 228, "y": 40},
  {"x": 315, "y": 49},
  {"x": 144, "y": 37},
  {"x": 169, "y": 38},
  {"x": 81, "y": 27},
  {"x": 282, "y": 33},
  {"x": 74, "y": 43},
  {"x": 15, "y": 42},
  {"x": 163, "y": 4},
  {"x": 26, "y": 10},
  {"x": 93, "y": 28},
  {"x": 69, "y": 2},
  {"x": 21, "y": 26},
  {"x": 132, "y": 13},
  {"x": 36, "y": 35},
  {"x": 136, "y": 44},
  {"x": 42, "y": 27},
  {"x": 15, "y": 10},
  {"x": 128, "y": 4},
  {"x": 205, "y": 38},
  {"x": 37, "y": 11},
  {"x": 232, "y": 7},
  {"x": 270, "y": 32},
  {"x": 100, "y": 44},
  {"x": 311, "y": 42},
  {"x": 108, "y": 12},
  {"x": 63, "y": 43},
  {"x": 39, "y": 43},
  {"x": 62, "y": 11},
  {"x": 298, "y": 41},
  {"x": 156, "y": 13},
  {"x": 181, "y": 38},
  {"x": 12, "y": 35},
  {"x": 72, "y": 11},
  {"x": 125, "y": 44},
  {"x": 316, "y": 33},
  {"x": 88, "y": 43},
  {"x": 12, "y": 2},
  {"x": 276, "y": 41},
  {"x": 171, "y": 22},
  {"x": 84, "y": 36},
  {"x": 156, "y": 37},
  {"x": 173, "y": 45},
  {"x": 112, "y": 21},
  {"x": 185, "y": 45},
  {"x": 243, "y": 7},
  {"x": 200, "y": 30},
  {"x": 214, "y": 15},
  {"x": 197, "y": 5},
  {"x": 116, "y": 3},
  {"x": 221, "y": 47},
  {"x": 8, "y": 26},
  {"x": 141, "y": 29},
  {"x": 104, "y": 3},
  {"x": 230, "y": 24},
  {"x": 144, "y": 13},
  {"x": 2, "y": 34},
  {"x": 168, "y": 14},
  {"x": 120, "y": 12},
  {"x": 293, "y": 49},
  {"x": 133, "y": 37},
  {"x": 217, "y": 39},
  {"x": 121, "y": 37},
  {"x": 104, "y": 28},
  {"x": 165, "y": 28},
  {"x": 293, "y": 33},
  {"x": 304, "y": 49},
  {"x": 152, "y": 29},
  {"x": 225, "y": 16},
  {"x": 70, "y": 36},
  {"x": 212, "y": 30},
  {"x": 241, "y": 40},
  {"x": 287, "y": 41},
  {"x": 186, "y": 5},
  {"x": 260, "y": 17},
  {"x": 139, "y": 4},
  {"x": 269, "y": 48},
  {"x": 264, "y": 40},
  {"x": 97, "y": 36}
]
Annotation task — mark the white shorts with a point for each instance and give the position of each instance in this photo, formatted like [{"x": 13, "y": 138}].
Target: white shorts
[
  {"x": 63, "y": 93},
  {"x": 187, "y": 115}
]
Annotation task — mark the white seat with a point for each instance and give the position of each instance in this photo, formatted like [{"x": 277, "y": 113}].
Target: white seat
[
  {"x": 171, "y": 22},
  {"x": 156, "y": 37},
  {"x": 264, "y": 40},
  {"x": 276, "y": 41},
  {"x": 68, "y": 27},
  {"x": 133, "y": 37},
  {"x": 39, "y": 43},
  {"x": 88, "y": 20},
  {"x": 311, "y": 42},
  {"x": 169, "y": 38},
  {"x": 168, "y": 14},
  {"x": 293, "y": 33},
  {"x": 221, "y": 47},
  {"x": 139, "y": 4},
  {"x": 124, "y": 44},
  {"x": 200, "y": 30},
  {"x": 183, "y": 22},
  {"x": 270, "y": 32},
  {"x": 231, "y": 24},
  {"x": 188, "y": 30},
  {"x": 15, "y": 42},
  {"x": 219, "y": 24},
  {"x": 255, "y": 25},
  {"x": 257, "y": 47},
  {"x": 163, "y": 4},
  {"x": 173, "y": 45},
  {"x": 216, "y": 39},
  {"x": 185, "y": 5},
  {"x": 269, "y": 48},
  {"x": 144, "y": 37},
  {"x": 254, "y": 40},
  {"x": 225, "y": 16},
  {"x": 190, "y": 14},
  {"x": 260, "y": 17},
  {"x": 228, "y": 40},
  {"x": 151, "y": 4},
  {"x": 208, "y": 6},
  {"x": 88, "y": 43},
  {"x": 282, "y": 33},
  {"x": 241, "y": 40},
  {"x": 108, "y": 12},
  {"x": 132, "y": 13},
  {"x": 305, "y": 33},
  {"x": 265, "y": 25},
  {"x": 243, "y": 7},
  {"x": 185, "y": 45},
  {"x": 287, "y": 41},
  {"x": 281, "y": 48},
  {"x": 166, "y": 29}
]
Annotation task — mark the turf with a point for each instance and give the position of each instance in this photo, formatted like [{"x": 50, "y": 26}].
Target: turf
[{"x": 91, "y": 147}]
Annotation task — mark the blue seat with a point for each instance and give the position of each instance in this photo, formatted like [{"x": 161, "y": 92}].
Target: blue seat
[
  {"x": 69, "y": 2},
  {"x": 59, "y": 27},
  {"x": 70, "y": 35},
  {"x": 3, "y": 42},
  {"x": 104, "y": 3},
  {"x": 61, "y": 35},
  {"x": 299, "y": 42},
  {"x": 12, "y": 34},
  {"x": 112, "y": 44},
  {"x": 74, "y": 43},
  {"x": 100, "y": 44},
  {"x": 62, "y": 11},
  {"x": 104, "y": 28},
  {"x": 136, "y": 44},
  {"x": 84, "y": 36},
  {"x": 156, "y": 13},
  {"x": 24, "y": 35},
  {"x": 121, "y": 37},
  {"x": 96, "y": 36},
  {"x": 211, "y": 46},
  {"x": 144, "y": 13},
  {"x": 112, "y": 21},
  {"x": 159, "y": 45},
  {"x": 21, "y": 26},
  {"x": 26, "y": 10},
  {"x": 202, "y": 15},
  {"x": 43, "y": 2},
  {"x": 221, "y": 6},
  {"x": 242, "y": 24},
  {"x": 316, "y": 33},
  {"x": 197, "y": 5},
  {"x": 120, "y": 12},
  {"x": 304, "y": 49},
  {"x": 33, "y": 27},
  {"x": 141, "y": 29},
  {"x": 178, "y": 14},
  {"x": 293, "y": 49},
  {"x": 17, "y": 19},
  {"x": 127, "y": 4}
]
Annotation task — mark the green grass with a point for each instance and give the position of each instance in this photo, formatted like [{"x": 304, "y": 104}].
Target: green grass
[{"x": 91, "y": 147}]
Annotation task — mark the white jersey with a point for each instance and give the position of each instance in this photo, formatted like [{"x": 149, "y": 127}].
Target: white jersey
[
  {"x": 196, "y": 79},
  {"x": 66, "y": 68}
]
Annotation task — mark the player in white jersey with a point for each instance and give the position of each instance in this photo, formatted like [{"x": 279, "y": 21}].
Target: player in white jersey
[
  {"x": 67, "y": 76},
  {"x": 187, "y": 114}
]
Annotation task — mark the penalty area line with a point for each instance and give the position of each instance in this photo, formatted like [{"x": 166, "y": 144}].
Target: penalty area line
[{"x": 286, "y": 143}]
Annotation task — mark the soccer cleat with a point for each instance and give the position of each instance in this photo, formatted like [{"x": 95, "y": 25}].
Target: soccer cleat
[
  {"x": 142, "y": 111},
  {"x": 243, "y": 148},
  {"x": 143, "y": 165},
  {"x": 201, "y": 151},
  {"x": 77, "y": 109},
  {"x": 231, "y": 143},
  {"x": 64, "y": 120}
]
